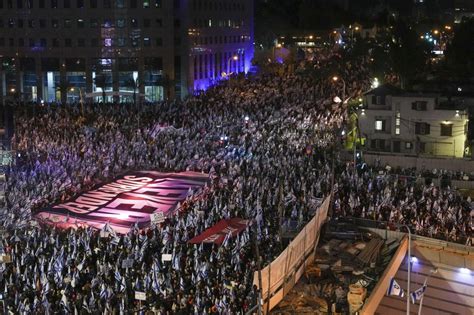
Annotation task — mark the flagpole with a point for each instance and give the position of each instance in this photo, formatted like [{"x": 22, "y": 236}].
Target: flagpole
[
  {"x": 409, "y": 265},
  {"x": 421, "y": 300},
  {"x": 409, "y": 269},
  {"x": 259, "y": 271},
  {"x": 432, "y": 272}
]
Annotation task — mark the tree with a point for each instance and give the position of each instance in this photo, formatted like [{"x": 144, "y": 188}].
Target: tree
[
  {"x": 166, "y": 82},
  {"x": 460, "y": 52},
  {"x": 101, "y": 82},
  {"x": 408, "y": 53}
]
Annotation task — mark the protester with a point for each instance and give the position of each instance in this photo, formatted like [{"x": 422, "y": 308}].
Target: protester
[{"x": 266, "y": 141}]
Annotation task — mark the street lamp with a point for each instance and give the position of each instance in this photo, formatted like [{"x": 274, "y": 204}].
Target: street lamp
[
  {"x": 235, "y": 58},
  {"x": 409, "y": 265},
  {"x": 352, "y": 32},
  {"x": 81, "y": 100},
  {"x": 335, "y": 79},
  {"x": 375, "y": 83}
]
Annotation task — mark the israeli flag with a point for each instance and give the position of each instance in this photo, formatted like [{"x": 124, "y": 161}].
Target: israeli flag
[
  {"x": 123, "y": 286},
  {"x": 64, "y": 303},
  {"x": 395, "y": 289},
  {"x": 418, "y": 294},
  {"x": 103, "y": 292},
  {"x": 85, "y": 306}
]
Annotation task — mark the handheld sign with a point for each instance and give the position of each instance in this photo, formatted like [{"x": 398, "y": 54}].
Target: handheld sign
[
  {"x": 157, "y": 217},
  {"x": 166, "y": 257},
  {"x": 141, "y": 296},
  {"x": 127, "y": 263}
]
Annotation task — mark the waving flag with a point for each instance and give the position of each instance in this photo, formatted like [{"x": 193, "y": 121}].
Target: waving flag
[
  {"x": 395, "y": 289},
  {"x": 85, "y": 306},
  {"x": 65, "y": 304},
  {"x": 122, "y": 286},
  {"x": 418, "y": 294}
]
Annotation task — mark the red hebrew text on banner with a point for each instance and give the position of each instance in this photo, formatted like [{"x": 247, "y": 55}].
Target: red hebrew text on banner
[{"x": 217, "y": 233}]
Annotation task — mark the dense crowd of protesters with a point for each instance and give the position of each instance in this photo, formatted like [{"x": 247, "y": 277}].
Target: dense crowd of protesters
[
  {"x": 408, "y": 200},
  {"x": 269, "y": 143}
]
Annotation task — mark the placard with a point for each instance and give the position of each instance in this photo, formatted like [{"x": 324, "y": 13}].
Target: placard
[
  {"x": 157, "y": 217},
  {"x": 6, "y": 258},
  {"x": 141, "y": 296},
  {"x": 127, "y": 263},
  {"x": 166, "y": 257}
]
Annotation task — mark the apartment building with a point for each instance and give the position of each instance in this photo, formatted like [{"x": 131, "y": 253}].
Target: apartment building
[{"x": 391, "y": 120}]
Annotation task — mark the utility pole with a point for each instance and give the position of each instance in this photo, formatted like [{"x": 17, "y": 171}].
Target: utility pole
[{"x": 259, "y": 270}]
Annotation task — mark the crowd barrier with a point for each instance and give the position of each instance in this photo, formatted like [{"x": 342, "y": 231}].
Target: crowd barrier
[{"x": 279, "y": 276}]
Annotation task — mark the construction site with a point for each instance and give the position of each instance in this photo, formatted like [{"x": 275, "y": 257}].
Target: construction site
[{"x": 348, "y": 264}]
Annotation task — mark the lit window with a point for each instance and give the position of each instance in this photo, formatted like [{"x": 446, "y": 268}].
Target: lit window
[
  {"x": 108, "y": 42},
  {"x": 397, "y": 131},
  {"x": 379, "y": 125},
  {"x": 397, "y": 121},
  {"x": 146, "y": 3}
]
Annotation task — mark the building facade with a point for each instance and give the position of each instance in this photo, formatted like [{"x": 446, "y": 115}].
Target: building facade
[
  {"x": 412, "y": 124},
  {"x": 67, "y": 50},
  {"x": 220, "y": 40}
]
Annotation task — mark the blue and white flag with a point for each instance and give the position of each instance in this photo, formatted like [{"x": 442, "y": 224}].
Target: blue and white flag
[
  {"x": 123, "y": 286},
  {"x": 395, "y": 289},
  {"x": 85, "y": 306},
  {"x": 418, "y": 294},
  {"x": 64, "y": 303},
  {"x": 155, "y": 285},
  {"x": 103, "y": 292},
  {"x": 118, "y": 277}
]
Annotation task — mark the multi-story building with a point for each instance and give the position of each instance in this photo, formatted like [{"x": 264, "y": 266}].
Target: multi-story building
[
  {"x": 392, "y": 120},
  {"x": 64, "y": 50},
  {"x": 220, "y": 40}
]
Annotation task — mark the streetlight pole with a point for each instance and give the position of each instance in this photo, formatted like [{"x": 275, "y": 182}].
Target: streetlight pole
[
  {"x": 409, "y": 265},
  {"x": 335, "y": 79},
  {"x": 235, "y": 58},
  {"x": 81, "y": 100}
]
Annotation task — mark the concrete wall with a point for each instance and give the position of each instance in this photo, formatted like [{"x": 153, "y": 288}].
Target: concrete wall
[
  {"x": 421, "y": 162},
  {"x": 449, "y": 291}
]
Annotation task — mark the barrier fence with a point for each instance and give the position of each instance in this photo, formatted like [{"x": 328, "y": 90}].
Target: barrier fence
[{"x": 279, "y": 276}]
